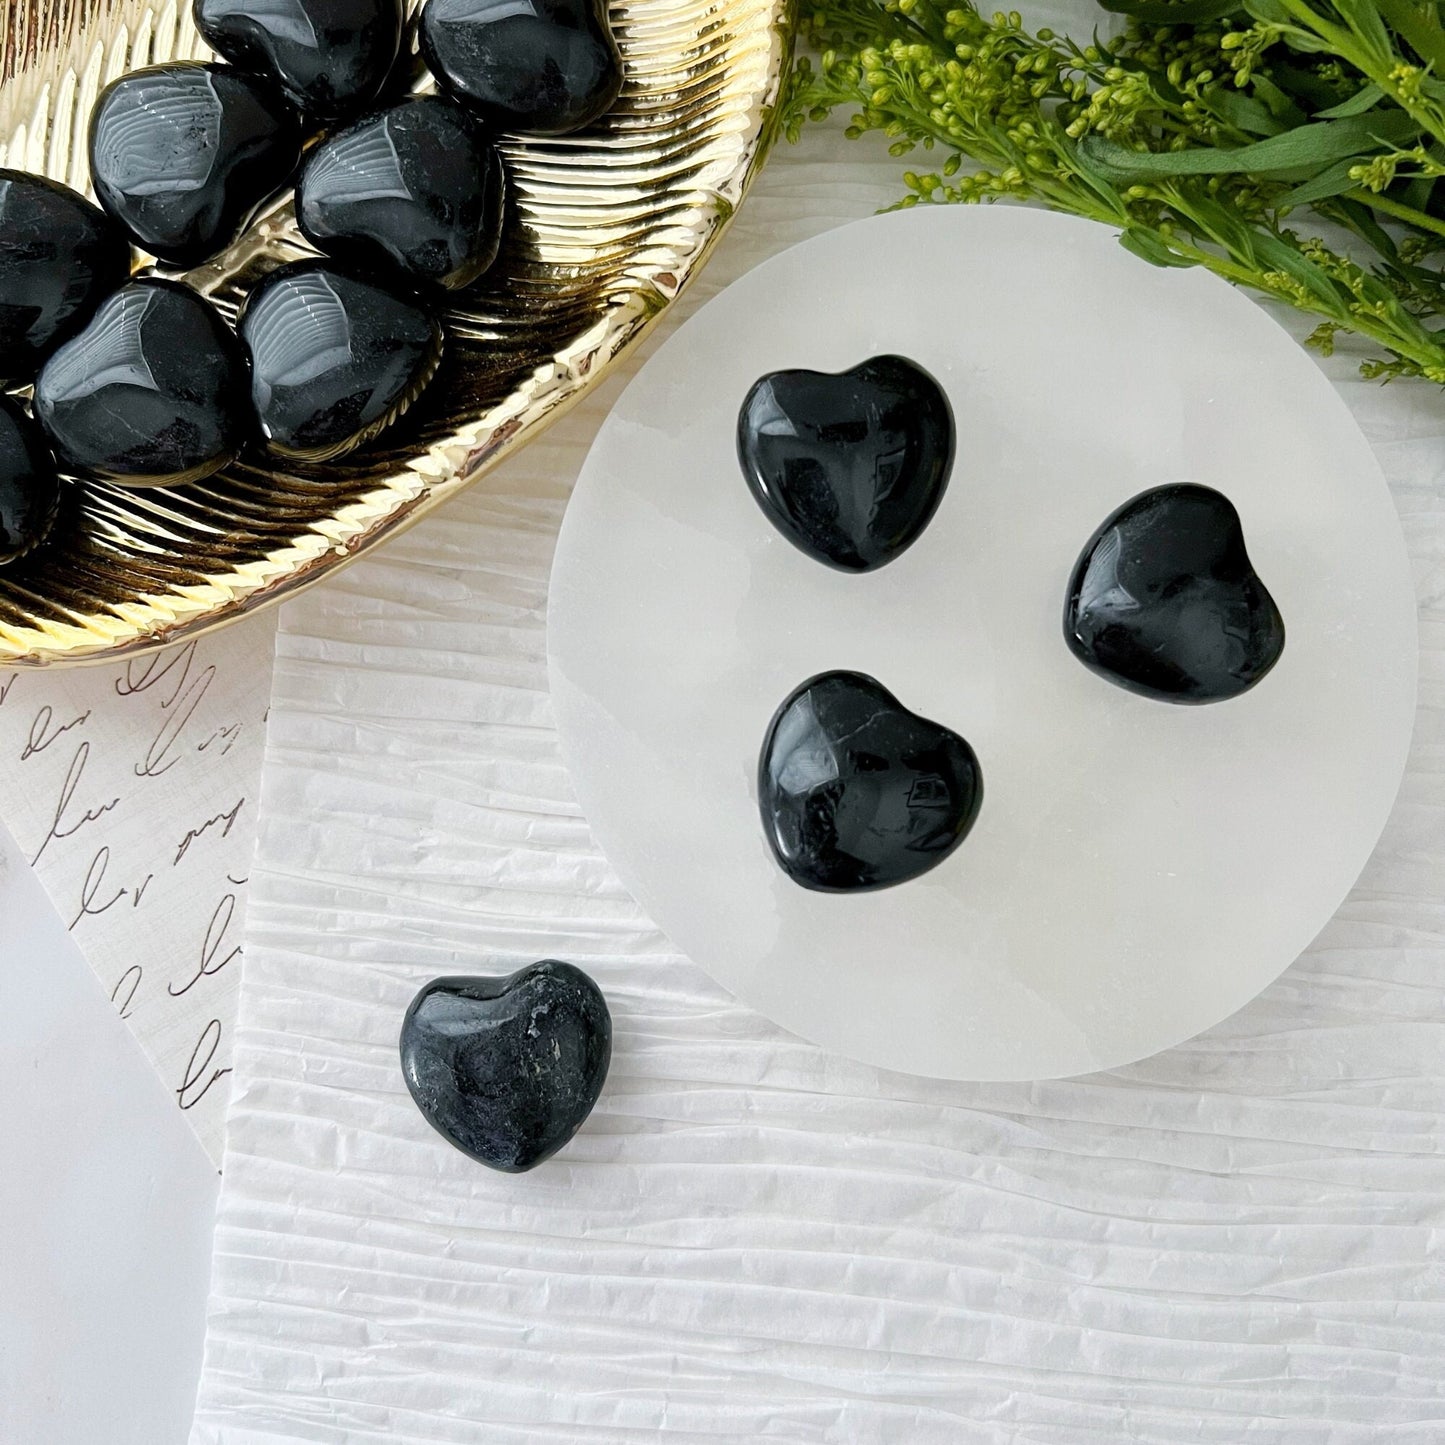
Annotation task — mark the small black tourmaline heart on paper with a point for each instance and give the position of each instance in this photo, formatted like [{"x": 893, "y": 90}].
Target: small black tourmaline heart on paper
[
  {"x": 1165, "y": 602},
  {"x": 508, "y": 1068},
  {"x": 537, "y": 67},
  {"x": 856, "y": 792},
  {"x": 850, "y": 467}
]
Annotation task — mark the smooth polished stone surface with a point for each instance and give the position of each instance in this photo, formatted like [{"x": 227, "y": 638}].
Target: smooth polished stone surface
[
  {"x": 507, "y": 1069},
  {"x": 414, "y": 191},
  {"x": 538, "y": 67},
  {"x": 182, "y": 155},
  {"x": 849, "y": 466},
  {"x": 152, "y": 392},
  {"x": 1164, "y": 600},
  {"x": 60, "y": 257},
  {"x": 332, "y": 57},
  {"x": 334, "y": 359},
  {"x": 856, "y": 792},
  {"x": 29, "y": 486}
]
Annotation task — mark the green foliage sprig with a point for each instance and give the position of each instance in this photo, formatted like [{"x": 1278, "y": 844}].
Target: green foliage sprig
[{"x": 1196, "y": 134}]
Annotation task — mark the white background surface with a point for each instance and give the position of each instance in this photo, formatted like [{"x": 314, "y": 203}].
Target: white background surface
[
  {"x": 106, "y": 1201},
  {"x": 752, "y": 1238},
  {"x": 1138, "y": 870}
]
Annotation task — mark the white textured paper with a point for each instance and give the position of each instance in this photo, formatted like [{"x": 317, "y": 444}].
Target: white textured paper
[
  {"x": 131, "y": 788},
  {"x": 752, "y": 1239}
]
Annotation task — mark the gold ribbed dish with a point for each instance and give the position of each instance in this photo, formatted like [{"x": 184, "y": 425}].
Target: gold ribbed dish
[{"x": 604, "y": 229}]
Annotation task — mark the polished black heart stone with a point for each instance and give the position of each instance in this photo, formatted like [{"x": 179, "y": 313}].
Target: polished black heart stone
[
  {"x": 507, "y": 1069},
  {"x": 856, "y": 792},
  {"x": 413, "y": 192},
  {"x": 182, "y": 155},
  {"x": 332, "y": 57},
  {"x": 537, "y": 67},
  {"x": 334, "y": 359},
  {"x": 152, "y": 392},
  {"x": 1164, "y": 600},
  {"x": 29, "y": 485},
  {"x": 850, "y": 467},
  {"x": 60, "y": 257}
]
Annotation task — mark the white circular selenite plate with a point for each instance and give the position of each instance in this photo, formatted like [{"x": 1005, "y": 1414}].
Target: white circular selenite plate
[{"x": 1139, "y": 870}]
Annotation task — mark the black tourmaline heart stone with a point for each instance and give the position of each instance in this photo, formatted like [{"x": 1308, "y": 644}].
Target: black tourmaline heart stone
[
  {"x": 152, "y": 392},
  {"x": 537, "y": 67},
  {"x": 330, "y": 56},
  {"x": 414, "y": 191},
  {"x": 182, "y": 155},
  {"x": 856, "y": 792},
  {"x": 507, "y": 1069},
  {"x": 849, "y": 467},
  {"x": 60, "y": 257},
  {"x": 334, "y": 359},
  {"x": 1165, "y": 602},
  {"x": 29, "y": 486}
]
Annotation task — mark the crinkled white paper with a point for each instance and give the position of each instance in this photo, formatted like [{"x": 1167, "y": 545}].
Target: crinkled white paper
[{"x": 752, "y": 1239}]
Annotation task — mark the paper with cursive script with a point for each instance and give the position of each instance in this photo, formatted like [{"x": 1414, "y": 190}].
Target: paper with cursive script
[{"x": 131, "y": 788}]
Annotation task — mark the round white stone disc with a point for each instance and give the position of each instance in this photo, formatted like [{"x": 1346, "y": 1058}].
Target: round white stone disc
[{"x": 1139, "y": 870}]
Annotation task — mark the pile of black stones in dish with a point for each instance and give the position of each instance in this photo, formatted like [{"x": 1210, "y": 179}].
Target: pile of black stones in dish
[{"x": 136, "y": 378}]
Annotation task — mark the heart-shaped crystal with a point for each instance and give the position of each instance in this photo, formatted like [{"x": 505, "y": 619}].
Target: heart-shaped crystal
[
  {"x": 1165, "y": 602},
  {"x": 60, "y": 257},
  {"x": 152, "y": 392},
  {"x": 856, "y": 792},
  {"x": 183, "y": 155},
  {"x": 538, "y": 67},
  {"x": 29, "y": 485},
  {"x": 334, "y": 359},
  {"x": 850, "y": 467},
  {"x": 414, "y": 191},
  {"x": 330, "y": 56},
  {"x": 507, "y": 1069}
]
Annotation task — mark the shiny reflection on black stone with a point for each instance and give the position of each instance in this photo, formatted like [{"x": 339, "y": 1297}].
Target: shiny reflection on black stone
[
  {"x": 850, "y": 467},
  {"x": 507, "y": 1069},
  {"x": 856, "y": 792},
  {"x": 334, "y": 359},
  {"x": 1165, "y": 602},
  {"x": 60, "y": 257},
  {"x": 538, "y": 67},
  {"x": 332, "y": 57},
  {"x": 182, "y": 155},
  {"x": 414, "y": 191},
  {"x": 152, "y": 392},
  {"x": 29, "y": 485}
]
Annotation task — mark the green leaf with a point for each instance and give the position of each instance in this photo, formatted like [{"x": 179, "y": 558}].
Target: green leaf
[
  {"x": 1367, "y": 97},
  {"x": 1243, "y": 112},
  {"x": 1332, "y": 181},
  {"x": 1280, "y": 104},
  {"x": 1303, "y": 148},
  {"x": 1421, "y": 31},
  {"x": 1362, "y": 220},
  {"x": 1269, "y": 11},
  {"x": 1363, "y": 17},
  {"x": 1173, "y": 12},
  {"x": 1149, "y": 246},
  {"x": 1302, "y": 83}
]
